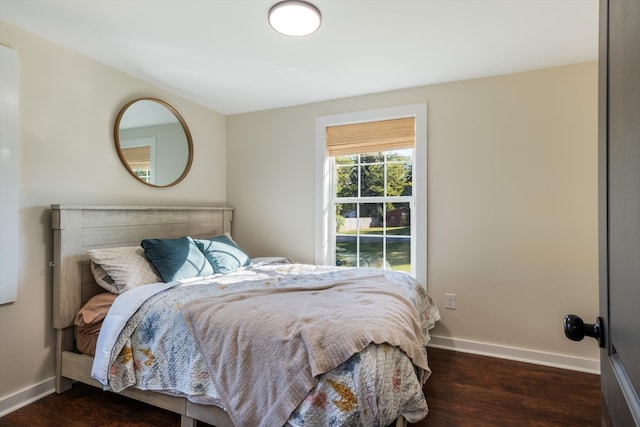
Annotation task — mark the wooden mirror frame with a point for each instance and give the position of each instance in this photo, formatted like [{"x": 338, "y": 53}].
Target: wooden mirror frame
[{"x": 185, "y": 128}]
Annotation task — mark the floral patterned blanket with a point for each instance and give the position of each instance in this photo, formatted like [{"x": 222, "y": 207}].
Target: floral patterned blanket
[{"x": 155, "y": 350}]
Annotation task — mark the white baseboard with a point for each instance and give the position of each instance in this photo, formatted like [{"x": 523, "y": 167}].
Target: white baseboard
[
  {"x": 591, "y": 366},
  {"x": 30, "y": 394}
]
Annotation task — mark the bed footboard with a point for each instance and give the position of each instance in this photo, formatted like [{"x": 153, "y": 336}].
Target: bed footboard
[{"x": 77, "y": 367}]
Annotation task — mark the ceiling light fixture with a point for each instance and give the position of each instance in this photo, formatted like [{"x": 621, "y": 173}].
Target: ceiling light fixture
[{"x": 294, "y": 18}]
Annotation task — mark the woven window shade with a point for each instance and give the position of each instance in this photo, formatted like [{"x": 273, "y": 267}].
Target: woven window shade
[
  {"x": 371, "y": 137},
  {"x": 138, "y": 157}
]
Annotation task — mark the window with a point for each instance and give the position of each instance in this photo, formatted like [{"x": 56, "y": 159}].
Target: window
[
  {"x": 371, "y": 189},
  {"x": 140, "y": 155},
  {"x": 139, "y": 160}
]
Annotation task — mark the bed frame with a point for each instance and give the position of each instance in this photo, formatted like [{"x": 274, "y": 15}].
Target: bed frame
[{"x": 78, "y": 228}]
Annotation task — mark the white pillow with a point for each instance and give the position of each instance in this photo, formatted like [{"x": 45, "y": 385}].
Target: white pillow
[{"x": 121, "y": 269}]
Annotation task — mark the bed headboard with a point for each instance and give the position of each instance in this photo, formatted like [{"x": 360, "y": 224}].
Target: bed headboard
[{"x": 78, "y": 228}]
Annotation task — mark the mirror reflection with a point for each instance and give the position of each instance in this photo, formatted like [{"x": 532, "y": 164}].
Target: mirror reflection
[{"x": 153, "y": 142}]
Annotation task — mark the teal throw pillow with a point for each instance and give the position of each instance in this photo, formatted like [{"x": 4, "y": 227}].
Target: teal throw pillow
[
  {"x": 176, "y": 259},
  {"x": 223, "y": 253}
]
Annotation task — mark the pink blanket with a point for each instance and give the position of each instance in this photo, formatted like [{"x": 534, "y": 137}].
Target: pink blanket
[{"x": 264, "y": 347}]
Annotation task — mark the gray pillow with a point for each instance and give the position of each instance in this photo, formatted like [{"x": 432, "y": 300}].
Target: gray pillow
[{"x": 123, "y": 268}]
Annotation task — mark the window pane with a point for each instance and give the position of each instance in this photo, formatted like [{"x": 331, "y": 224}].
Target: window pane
[
  {"x": 399, "y": 253},
  {"x": 371, "y": 218},
  {"x": 371, "y": 252},
  {"x": 399, "y": 219},
  {"x": 346, "y": 251},
  {"x": 372, "y": 180},
  {"x": 400, "y": 155},
  {"x": 346, "y": 218},
  {"x": 143, "y": 174},
  {"x": 372, "y": 158},
  {"x": 408, "y": 189},
  {"x": 347, "y": 181},
  {"x": 347, "y": 160},
  {"x": 399, "y": 179}
]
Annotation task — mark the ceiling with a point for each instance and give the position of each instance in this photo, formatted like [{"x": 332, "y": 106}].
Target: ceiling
[{"x": 224, "y": 55}]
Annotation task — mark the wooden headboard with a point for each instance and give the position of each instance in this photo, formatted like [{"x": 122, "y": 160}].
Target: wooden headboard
[{"x": 78, "y": 228}]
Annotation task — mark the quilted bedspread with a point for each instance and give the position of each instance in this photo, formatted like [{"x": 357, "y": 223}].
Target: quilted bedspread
[{"x": 155, "y": 350}]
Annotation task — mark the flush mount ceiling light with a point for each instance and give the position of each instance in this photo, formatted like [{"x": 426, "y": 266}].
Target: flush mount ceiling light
[{"x": 294, "y": 18}]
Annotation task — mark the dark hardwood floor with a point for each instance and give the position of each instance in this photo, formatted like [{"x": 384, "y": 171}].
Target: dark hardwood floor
[
  {"x": 464, "y": 390},
  {"x": 469, "y": 390}
]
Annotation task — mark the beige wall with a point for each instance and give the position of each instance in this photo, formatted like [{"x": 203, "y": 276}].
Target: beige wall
[
  {"x": 68, "y": 106},
  {"x": 512, "y": 196}
]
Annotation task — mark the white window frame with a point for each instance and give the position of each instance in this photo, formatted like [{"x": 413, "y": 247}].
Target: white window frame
[{"x": 325, "y": 220}]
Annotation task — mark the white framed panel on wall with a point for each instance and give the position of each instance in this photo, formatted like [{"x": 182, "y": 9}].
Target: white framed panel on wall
[{"x": 9, "y": 150}]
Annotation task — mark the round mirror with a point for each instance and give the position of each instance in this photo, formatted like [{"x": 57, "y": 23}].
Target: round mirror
[{"x": 153, "y": 142}]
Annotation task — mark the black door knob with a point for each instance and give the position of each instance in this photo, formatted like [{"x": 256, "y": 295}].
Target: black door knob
[{"x": 575, "y": 329}]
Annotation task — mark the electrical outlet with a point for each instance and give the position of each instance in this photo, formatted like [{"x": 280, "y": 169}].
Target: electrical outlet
[{"x": 450, "y": 301}]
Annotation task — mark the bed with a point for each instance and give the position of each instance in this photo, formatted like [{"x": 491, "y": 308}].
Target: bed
[{"x": 352, "y": 386}]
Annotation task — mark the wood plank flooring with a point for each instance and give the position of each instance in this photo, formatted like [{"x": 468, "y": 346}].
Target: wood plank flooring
[
  {"x": 469, "y": 390},
  {"x": 464, "y": 390}
]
